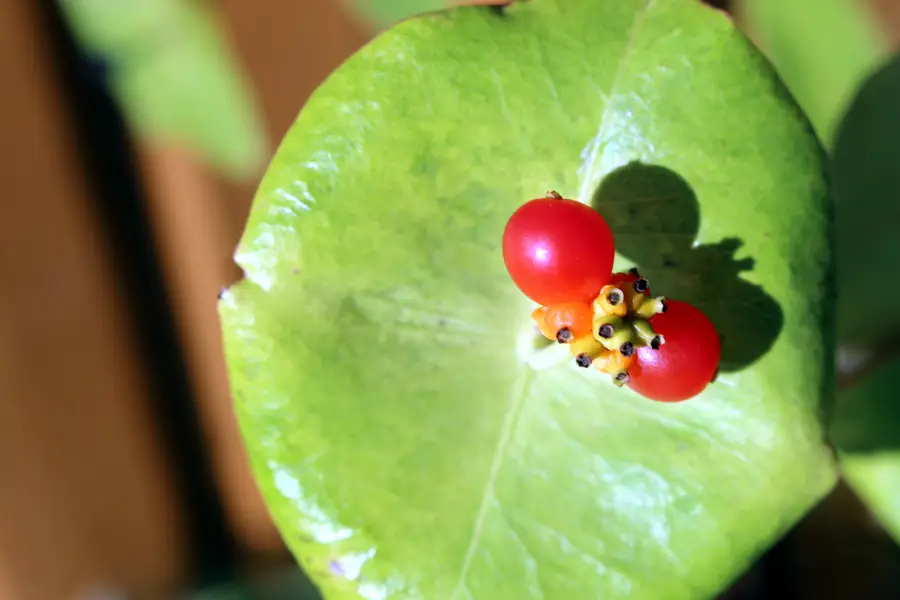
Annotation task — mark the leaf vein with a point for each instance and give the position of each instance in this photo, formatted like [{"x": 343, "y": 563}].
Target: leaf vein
[
  {"x": 584, "y": 194},
  {"x": 520, "y": 392}
]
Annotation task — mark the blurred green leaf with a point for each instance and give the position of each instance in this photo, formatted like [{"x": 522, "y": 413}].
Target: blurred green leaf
[
  {"x": 876, "y": 479},
  {"x": 175, "y": 77},
  {"x": 823, "y": 52},
  {"x": 383, "y": 13},
  {"x": 408, "y": 438},
  {"x": 867, "y": 415},
  {"x": 836, "y": 63},
  {"x": 867, "y": 430},
  {"x": 866, "y": 167}
]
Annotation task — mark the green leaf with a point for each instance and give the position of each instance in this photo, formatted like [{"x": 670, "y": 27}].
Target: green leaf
[
  {"x": 175, "y": 77},
  {"x": 866, "y": 429},
  {"x": 409, "y": 439},
  {"x": 876, "y": 478}
]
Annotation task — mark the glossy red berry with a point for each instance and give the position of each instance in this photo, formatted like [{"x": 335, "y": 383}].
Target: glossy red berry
[
  {"x": 686, "y": 361},
  {"x": 558, "y": 251}
]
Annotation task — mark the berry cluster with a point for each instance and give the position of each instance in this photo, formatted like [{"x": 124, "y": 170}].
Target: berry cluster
[{"x": 560, "y": 254}]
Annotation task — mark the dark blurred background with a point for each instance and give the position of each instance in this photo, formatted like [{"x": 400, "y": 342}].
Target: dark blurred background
[{"x": 122, "y": 473}]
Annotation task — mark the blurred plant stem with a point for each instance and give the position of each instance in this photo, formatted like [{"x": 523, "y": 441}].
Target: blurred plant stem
[{"x": 171, "y": 70}]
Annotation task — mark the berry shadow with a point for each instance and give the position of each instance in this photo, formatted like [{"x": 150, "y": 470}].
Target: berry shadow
[{"x": 655, "y": 217}]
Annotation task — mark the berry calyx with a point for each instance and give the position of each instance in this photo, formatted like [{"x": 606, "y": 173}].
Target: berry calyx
[{"x": 610, "y": 344}]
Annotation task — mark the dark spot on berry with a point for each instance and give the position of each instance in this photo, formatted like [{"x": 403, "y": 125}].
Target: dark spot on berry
[
  {"x": 583, "y": 360},
  {"x": 656, "y": 342},
  {"x": 627, "y": 349},
  {"x": 664, "y": 307},
  {"x": 641, "y": 285},
  {"x": 622, "y": 377},
  {"x": 615, "y": 297},
  {"x": 606, "y": 331},
  {"x": 564, "y": 335}
]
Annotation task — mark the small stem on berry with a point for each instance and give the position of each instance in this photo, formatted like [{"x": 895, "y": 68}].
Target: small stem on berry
[
  {"x": 587, "y": 346},
  {"x": 554, "y": 194},
  {"x": 613, "y": 363},
  {"x": 645, "y": 334},
  {"x": 622, "y": 338},
  {"x": 584, "y": 360},
  {"x": 620, "y": 379},
  {"x": 651, "y": 307},
  {"x": 611, "y": 331},
  {"x": 634, "y": 271},
  {"x": 611, "y": 301}
]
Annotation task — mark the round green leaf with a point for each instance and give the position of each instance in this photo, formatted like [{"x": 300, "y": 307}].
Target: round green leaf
[{"x": 410, "y": 438}]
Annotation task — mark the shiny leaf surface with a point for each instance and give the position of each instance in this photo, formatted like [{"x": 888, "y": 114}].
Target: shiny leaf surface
[{"x": 411, "y": 440}]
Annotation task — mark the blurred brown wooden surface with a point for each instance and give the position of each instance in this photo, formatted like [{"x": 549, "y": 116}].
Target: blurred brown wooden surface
[
  {"x": 87, "y": 500},
  {"x": 288, "y": 48}
]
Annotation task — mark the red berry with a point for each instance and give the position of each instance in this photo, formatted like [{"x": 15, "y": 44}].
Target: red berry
[
  {"x": 558, "y": 251},
  {"x": 687, "y": 360}
]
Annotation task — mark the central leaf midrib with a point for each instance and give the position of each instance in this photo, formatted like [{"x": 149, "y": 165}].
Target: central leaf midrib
[
  {"x": 517, "y": 402},
  {"x": 525, "y": 380},
  {"x": 585, "y": 193}
]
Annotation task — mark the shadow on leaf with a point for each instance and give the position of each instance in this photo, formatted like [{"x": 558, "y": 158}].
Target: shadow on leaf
[{"x": 655, "y": 217}]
